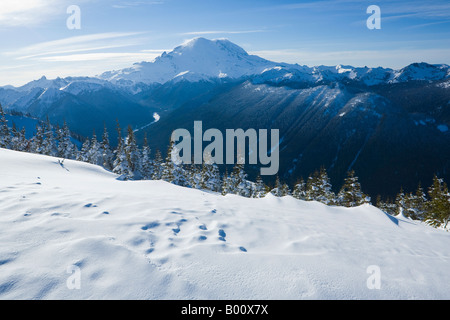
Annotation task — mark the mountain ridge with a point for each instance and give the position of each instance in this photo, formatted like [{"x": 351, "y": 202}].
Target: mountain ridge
[{"x": 201, "y": 59}]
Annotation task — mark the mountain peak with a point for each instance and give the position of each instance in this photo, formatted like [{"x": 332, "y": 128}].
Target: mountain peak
[
  {"x": 196, "y": 59},
  {"x": 211, "y": 49},
  {"x": 195, "y": 42},
  {"x": 421, "y": 71},
  {"x": 201, "y": 44}
]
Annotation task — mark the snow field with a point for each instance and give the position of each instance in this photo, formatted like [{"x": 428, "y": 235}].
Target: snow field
[{"x": 154, "y": 240}]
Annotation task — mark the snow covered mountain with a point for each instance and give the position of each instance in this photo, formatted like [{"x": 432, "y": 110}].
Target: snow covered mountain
[
  {"x": 193, "y": 63},
  {"x": 202, "y": 59},
  {"x": 68, "y": 225},
  {"x": 421, "y": 71},
  {"x": 198, "y": 59}
]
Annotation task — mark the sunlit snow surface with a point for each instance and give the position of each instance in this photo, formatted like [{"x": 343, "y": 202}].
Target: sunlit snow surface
[{"x": 154, "y": 240}]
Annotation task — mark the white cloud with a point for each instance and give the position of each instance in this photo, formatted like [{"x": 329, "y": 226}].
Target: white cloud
[
  {"x": 133, "y": 4},
  {"x": 111, "y": 57},
  {"x": 92, "y": 42},
  {"x": 75, "y": 56},
  {"x": 29, "y": 12},
  {"x": 395, "y": 59}
]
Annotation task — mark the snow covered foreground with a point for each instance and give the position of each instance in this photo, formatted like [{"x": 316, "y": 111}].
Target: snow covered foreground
[{"x": 154, "y": 240}]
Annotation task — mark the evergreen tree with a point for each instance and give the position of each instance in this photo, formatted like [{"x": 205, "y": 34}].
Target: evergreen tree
[
  {"x": 24, "y": 143},
  {"x": 146, "y": 166},
  {"x": 84, "y": 152},
  {"x": 260, "y": 188},
  {"x": 285, "y": 190},
  {"x": 94, "y": 154},
  {"x": 157, "y": 166},
  {"x": 48, "y": 144},
  {"x": 326, "y": 196},
  {"x": 312, "y": 187},
  {"x": 318, "y": 188},
  {"x": 132, "y": 155},
  {"x": 350, "y": 194},
  {"x": 281, "y": 189},
  {"x": 59, "y": 141},
  {"x": 388, "y": 207},
  {"x": 276, "y": 190},
  {"x": 378, "y": 201},
  {"x": 120, "y": 164},
  {"x": 107, "y": 154},
  {"x": 14, "y": 137},
  {"x": 5, "y": 137},
  {"x": 438, "y": 208},
  {"x": 418, "y": 204},
  {"x": 226, "y": 183},
  {"x": 400, "y": 202},
  {"x": 172, "y": 168},
  {"x": 300, "y": 190},
  {"x": 18, "y": 142},
  {"x": 210, "y": 175},
  {"x": 167, "y": 173},
  {"x": 238, "y": 183},
  {"x": 66, "y": 149},
  {"x": 194, "y": 176},
  {"x": 37, "y": 141}
]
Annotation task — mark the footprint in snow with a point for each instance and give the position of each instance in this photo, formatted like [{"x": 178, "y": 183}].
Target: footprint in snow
[
  {"x": 5, "y": 261},
  {"x": 178, "y": 224},
  {"x": 222, "y": 235},
  {"x": 59, "y": 214},
  {"x": 150, "y": 225}
]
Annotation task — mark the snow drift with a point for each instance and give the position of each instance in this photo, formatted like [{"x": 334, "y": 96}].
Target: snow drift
[{"x": 154, "y": 240}]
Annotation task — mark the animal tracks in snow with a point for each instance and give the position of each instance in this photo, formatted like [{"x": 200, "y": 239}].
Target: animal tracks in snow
[{"x": 189, "y": 229}]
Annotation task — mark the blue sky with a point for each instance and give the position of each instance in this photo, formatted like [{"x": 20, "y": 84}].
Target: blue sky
[{"x": 35, "y": 40}]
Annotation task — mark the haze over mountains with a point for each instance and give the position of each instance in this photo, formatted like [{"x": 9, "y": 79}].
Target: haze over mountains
[{"x": 390, "y": 126}]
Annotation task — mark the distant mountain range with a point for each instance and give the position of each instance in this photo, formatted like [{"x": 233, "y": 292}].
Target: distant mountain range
[{"x": 391, "y": 126}]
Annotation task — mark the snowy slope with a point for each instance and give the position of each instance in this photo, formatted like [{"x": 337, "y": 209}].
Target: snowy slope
[
  {"x": 421, "y": 71},
  {"x": 153, "y": 240}
]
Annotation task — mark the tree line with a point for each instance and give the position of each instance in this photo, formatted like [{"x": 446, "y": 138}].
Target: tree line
[{"x": 131, "y": 162}]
